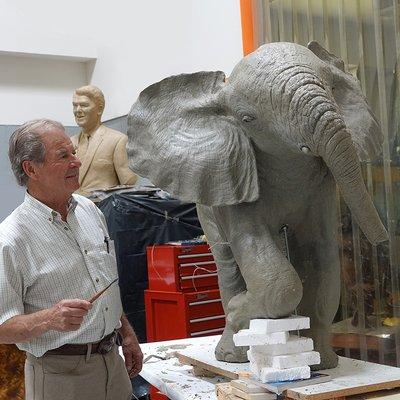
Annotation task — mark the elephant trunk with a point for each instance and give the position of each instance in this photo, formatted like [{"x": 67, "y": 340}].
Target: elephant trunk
[
  {"x": 332, "y": 141},
  {"x": 341, "y": 158}
]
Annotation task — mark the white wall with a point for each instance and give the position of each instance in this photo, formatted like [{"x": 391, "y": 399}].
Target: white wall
[
  {"x": 136, "y": 42},
  {"x": 32, "y": 88},
  {"x": 48, "y": 48}
]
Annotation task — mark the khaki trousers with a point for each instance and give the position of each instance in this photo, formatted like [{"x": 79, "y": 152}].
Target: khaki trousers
[{"x": 92, "y": 377}]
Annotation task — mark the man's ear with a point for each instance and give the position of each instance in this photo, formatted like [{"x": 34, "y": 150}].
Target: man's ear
[{"x": 30, "y": 169}]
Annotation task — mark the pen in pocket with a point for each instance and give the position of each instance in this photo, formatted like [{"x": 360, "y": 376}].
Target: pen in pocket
[{"x": 107, "y": 242}]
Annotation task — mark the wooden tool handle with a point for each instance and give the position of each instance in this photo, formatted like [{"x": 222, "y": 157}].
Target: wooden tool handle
[{"x": 98, "y": 294}]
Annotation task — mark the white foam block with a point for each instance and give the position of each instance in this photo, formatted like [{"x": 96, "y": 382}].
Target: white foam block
[
  {"x": 257, "y": 362},
  {"x": 255, "y": 368},
  {"x": 258, "y": 358},
  {"x": 285, "y": 361},
  {"x": 269, "y": 325},
  {"x": 268, "y": 374},
  {"x": 294, "y": 345},
  {"x": 296, "y": 360},
  {"x": 247, "y": 338}
]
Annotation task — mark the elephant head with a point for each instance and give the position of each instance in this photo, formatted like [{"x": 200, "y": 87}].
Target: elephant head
[{"x": 197, "y": 135}]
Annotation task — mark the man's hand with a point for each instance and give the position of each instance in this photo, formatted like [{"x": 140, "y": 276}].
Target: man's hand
[
  {"x": 131, "y": 349},
  {"x": 133, "y": 355},
  {"x": 67, "y": 315}
]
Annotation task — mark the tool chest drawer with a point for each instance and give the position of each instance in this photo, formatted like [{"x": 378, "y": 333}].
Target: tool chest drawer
[
  {"x": 175, "y": 315},
  {"x": 183, "y": 268},
  {"x": 204, "y": 304}
]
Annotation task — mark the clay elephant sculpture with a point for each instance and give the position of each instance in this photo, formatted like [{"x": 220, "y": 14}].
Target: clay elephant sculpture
[{"x": 260, "y": 154}]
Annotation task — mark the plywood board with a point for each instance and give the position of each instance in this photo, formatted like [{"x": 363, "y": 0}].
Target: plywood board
[{"x": 349, "y": 378}]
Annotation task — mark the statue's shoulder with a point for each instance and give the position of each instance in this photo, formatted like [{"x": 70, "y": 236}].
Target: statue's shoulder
[{"x": 112, "y": 133}]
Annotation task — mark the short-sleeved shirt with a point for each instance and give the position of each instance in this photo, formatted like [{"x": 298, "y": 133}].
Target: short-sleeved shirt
[{"x": 44, "y": 260}]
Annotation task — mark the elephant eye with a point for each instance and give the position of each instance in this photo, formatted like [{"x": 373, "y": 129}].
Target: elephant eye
[
  {"x": 305, "y": 149},
  {"x": 247, "y": 118}
]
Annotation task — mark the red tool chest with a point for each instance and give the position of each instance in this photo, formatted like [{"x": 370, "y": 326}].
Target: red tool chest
[
  {"x": 178, "y": 268},
  {"x": 155, "y": 394},
  {"x": 174, "y": 315},
  {"x": 183, "y": 298}
]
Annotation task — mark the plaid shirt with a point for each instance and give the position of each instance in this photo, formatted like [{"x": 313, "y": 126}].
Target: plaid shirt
[{"x": 44, "y": 260}]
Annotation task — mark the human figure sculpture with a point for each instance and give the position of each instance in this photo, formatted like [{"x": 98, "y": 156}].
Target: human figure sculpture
[
  {"x": 101, "y": 150},
  {"x": 261, "y": 154}
]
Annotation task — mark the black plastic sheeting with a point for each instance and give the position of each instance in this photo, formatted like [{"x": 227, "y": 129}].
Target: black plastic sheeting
[{"x": 135, "y": 221}]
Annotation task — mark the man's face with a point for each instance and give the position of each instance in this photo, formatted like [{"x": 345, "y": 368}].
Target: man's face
[
  {"x": 87, "y": 113},
  {"x": 58, "y": 175}
]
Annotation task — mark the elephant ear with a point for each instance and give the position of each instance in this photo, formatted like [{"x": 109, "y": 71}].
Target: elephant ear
[
  {"x": 364, "y": 128},
  {"x": 181, "y": 138}
]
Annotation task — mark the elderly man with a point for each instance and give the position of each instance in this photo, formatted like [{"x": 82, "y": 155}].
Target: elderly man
[
  {"x": 102, "y": 150},
  {"x": 55, "y": 254}
]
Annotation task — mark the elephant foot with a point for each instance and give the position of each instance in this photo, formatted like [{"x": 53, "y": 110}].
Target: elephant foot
[
  {"x": 321, "y": 338},
  {"x": 241, "y": 309},
  {"x": 227, "y": 351},
  {"x": 249, "y": 305},
  {"x": 329, "y": 359}
]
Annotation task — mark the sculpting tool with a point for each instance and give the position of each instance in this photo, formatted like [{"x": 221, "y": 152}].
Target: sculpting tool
[
  {"x": 284, "y": 230},
  {"x": 98, "y": 294}
]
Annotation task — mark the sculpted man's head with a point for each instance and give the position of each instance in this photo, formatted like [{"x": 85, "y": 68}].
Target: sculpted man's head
[
  {"x": 88, "y": 106},
  {"x": 43, "y": 159}
]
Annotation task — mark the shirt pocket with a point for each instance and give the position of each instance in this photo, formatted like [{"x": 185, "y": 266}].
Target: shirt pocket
[{"x": 103, "y": 258}]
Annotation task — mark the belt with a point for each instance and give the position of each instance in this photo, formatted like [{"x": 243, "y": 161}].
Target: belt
[{"x": 104, "y": 346}]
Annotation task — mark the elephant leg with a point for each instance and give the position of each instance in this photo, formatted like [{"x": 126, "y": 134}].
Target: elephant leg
[
  {"x": 321, "y": 292},
  {"x": 230, "y": 281},
  {"x": 319, "y": 269},
  {"x": 273, "y": 288}
]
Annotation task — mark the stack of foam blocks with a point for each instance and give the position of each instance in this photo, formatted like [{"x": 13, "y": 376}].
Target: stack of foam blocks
[{"x": 277, "y": 352}]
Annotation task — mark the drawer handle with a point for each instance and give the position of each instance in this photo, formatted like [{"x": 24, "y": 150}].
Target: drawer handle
[
  {"x": 195, "y": 264},
  {"x": 192, "y": 321},
  {"x": 196, "y": 303},
  {"x": 185, "y": 278},
  {"x": 206, "y": 332},
  {"x": 195, "y": 255}
]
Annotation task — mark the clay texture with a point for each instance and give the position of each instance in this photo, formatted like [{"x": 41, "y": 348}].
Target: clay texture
[{"x": 261, "y": 153}]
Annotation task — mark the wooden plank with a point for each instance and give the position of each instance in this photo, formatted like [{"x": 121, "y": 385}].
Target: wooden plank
[
  {"x": 201, "y": 372},
  {"x": 248, "y": 387},
  {"x": 393, "y": 394},
  {"x": 342, "y": 393},
  {"x": 253, "y": 396},
  {"x": 184, "y": 359},
  {"x": 294, "y": 393},
  {"x": 224, "y": 391},
  {"x": 351, "y": 377}
]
